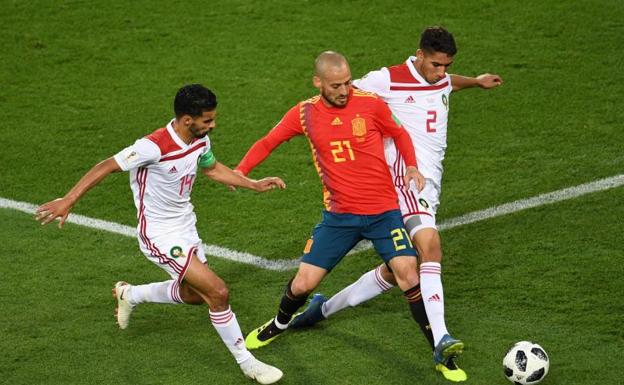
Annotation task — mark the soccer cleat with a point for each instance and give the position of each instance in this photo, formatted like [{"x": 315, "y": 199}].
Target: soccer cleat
[
  {"x": 446, "y": 348},
  {"x": 124, "y": 308},
  {"x": 261, "y": 372},
  {"x": 311, "y": 315},
  {"x": 451, "y": 371},
  {"x": 263, "y": 335}
]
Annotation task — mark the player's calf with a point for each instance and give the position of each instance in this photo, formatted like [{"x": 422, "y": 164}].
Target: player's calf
[
  {"x": 190, "y": 296},
  {"x": 268, "y": 332}
]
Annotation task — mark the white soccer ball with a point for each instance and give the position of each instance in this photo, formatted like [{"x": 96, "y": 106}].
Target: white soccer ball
[{"x": 526, "y": 363}]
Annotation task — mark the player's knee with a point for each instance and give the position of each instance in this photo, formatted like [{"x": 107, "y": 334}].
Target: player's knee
[
  {"x": 301, "y": 286},
  {"x": 222, "y": 294},
  {"x": 406, "y": 275},
  {"x": 411, "y": 278},
  {"x": 218, "y": 297},
  {"x": 387, "y": 275}
]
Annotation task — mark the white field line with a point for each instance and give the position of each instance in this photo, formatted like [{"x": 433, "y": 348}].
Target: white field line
[
  {"x": 287, "y": 264},
  {"x": 522, "y": 204},
  {"x": 217, "y": 251}
]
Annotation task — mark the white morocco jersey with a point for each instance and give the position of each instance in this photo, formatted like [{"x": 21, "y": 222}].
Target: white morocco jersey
[
  {"x": 162, "y": 171},
  {"x": 422, "y": 108}
]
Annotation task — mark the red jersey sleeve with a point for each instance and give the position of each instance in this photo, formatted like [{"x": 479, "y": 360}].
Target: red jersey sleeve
[
  {"x": 390, "y": 127},
  {"x": 289, "y": 126}
]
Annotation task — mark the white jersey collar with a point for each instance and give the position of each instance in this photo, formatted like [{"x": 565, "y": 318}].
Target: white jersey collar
[
  {"x": 174, "y": 135},
  {"x": 410, "y": 64}
]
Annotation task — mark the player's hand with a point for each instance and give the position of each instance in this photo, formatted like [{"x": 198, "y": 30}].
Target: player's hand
[
  {"x": 269, "y": 183},
  {"x": 48, "y": 212},
  {"x": 489, "y": 81},
  {"x": 232, "y": 187},
  {"x": 412, "y": 174}
]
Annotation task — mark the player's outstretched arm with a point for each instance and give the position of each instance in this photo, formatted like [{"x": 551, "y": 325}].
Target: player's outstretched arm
[
  {"x": 223, "y": 174},
  {"x": 485, "y": 81},
  {"x": 60, "y": 207}
]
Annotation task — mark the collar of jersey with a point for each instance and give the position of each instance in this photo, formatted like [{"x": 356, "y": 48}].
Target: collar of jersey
[
  {"x": 322, "y": 104},
  {"x": 410, "y": 65},
  {"x": 175, "y": 136}
]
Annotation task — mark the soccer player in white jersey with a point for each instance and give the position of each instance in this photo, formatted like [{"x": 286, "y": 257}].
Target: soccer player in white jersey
[
  {"x": 417, "y": 91},
  {"x": 162, "y": 168}
]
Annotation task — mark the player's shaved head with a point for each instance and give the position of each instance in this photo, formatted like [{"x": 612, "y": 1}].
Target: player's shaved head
[
  {"x": 329, "y": 61},
  {"x": 332, "y": 76}
]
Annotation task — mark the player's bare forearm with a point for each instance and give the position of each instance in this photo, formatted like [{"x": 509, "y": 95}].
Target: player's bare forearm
[
  {"x": 223, "y": 174},
  {"x": 485, "y": 81},
  {"x": 92, "y": 178},
  {"x": 60, "y": 207}
]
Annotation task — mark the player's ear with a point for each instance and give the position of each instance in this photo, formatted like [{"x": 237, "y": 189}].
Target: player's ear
[
  {"x": 420, "y": 54},
  {"x": 187, "y": 120},
  {"x": 316, "y": 81}
]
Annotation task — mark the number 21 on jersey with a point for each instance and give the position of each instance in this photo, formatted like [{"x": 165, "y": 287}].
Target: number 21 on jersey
[
  {"x": 401, "y": 239},
  {"x": 341, "y": 150}
]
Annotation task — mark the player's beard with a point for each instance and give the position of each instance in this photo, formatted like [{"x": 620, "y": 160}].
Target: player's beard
[
  {"x": 335, "y": 101},
  {"x": 197, "y": 133}
]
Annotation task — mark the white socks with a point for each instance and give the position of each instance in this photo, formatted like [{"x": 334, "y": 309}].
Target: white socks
[
  {"x": 368, "y": 286},
  {"x": 433, "y": 297},
  {"x": 226, "y": 325},
  {"x": 224, "y": 322},
  {"x": 279, "y": 325},
  {"x": 157, "y": 292}
]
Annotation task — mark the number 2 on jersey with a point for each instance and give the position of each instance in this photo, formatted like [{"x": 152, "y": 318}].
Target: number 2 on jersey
[{"x": 431, "y": 118}]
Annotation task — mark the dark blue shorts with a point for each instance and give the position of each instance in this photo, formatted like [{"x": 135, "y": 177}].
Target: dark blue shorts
[{"x": 338, "y": 233}]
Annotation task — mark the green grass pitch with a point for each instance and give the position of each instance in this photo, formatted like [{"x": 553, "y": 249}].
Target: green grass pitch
[{"x": 81, "y": 80}]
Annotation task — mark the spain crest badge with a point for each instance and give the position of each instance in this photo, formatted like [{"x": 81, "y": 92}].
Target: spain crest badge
[{"x": 358, "y": 125}]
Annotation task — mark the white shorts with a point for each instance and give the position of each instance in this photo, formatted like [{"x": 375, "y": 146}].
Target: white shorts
[
  {"x": 417, "y": 208},
  {"x": 173, "y": 251}
]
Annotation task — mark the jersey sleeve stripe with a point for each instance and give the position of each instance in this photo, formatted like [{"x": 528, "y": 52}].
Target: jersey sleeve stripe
[
  {"x": 421, "y": 88},
  {"x": 185, "y": 153},
  {"x": 305, "y": 110}
]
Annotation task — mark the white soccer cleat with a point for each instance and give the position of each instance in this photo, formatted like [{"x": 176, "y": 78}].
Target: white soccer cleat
[
  {"x": 261, "y": 372},
  {"x": 124, "y": 308}
]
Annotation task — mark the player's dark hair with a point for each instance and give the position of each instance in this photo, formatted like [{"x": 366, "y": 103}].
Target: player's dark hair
[
  {"x": 194, "y": 100},
  {"x": 437, "y": 39}
]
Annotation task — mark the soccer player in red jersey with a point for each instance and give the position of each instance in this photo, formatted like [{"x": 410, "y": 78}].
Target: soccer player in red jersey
[
  {"x": 418, "y": 92},
  {"x": 345, "y": 129}
]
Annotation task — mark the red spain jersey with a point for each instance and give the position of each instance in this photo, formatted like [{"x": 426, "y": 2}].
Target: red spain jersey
[{"x": 347, "y": 149}]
